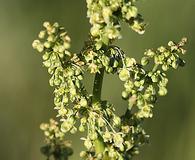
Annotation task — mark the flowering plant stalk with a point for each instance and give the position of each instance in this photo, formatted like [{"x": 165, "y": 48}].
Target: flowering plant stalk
[{"x": 108, "y": 135}]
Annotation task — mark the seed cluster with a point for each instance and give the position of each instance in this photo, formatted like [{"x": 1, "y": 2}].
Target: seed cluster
[{"x": 108, "y": 135}]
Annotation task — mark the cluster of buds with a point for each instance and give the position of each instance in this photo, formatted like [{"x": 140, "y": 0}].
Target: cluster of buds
[
  {"x": 166, "y": 57},
  {"x": 110, "y": 59},
  {"x": 142, "y": 86},
  {"x": 56, "y": 145},
  {"x": 52, "y": 132},
  {"x": 105, "y": 17},
  {"x": 109, "y": 136},
  {"x": 66, "y": 70},
  {"x": 116, "y": 137}
]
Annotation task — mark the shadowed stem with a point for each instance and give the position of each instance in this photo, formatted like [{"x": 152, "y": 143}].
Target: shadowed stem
[
  {"x": 97, "y": 90},
  {"x": 97, "y": 86}
]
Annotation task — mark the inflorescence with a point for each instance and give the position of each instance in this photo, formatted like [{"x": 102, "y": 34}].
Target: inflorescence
[{"x": 108, "y": 135}]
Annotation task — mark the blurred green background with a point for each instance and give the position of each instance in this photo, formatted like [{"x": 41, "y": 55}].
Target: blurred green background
[{"x": 26, "y": 99}]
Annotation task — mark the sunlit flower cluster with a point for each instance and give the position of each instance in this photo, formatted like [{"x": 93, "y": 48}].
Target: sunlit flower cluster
[
  {"x": 142, "y": 86},
  {"x": 108, "y": 135},
  {"x": 106, "y": 15}
]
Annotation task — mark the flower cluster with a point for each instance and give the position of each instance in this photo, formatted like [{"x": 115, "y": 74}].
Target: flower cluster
[
  {"x": 121, "y": 137},
  {"x": 108, "y": 135},
  {"x": 141, "y": 85},
  {"x": 56, "y": 145},
  {"x": 66, "y": 70},
  {"x": 110, "y": 58},
  {"x": 105, "y": 17}
]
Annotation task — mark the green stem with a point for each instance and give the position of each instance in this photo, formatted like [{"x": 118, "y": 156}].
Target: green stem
[
  {"x": 155, "y": 68},
  {"x": 97, "y": 86},
  {"x": 97, "y": 90}
]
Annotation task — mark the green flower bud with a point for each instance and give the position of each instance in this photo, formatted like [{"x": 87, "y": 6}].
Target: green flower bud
[
  {"x": 162, "y": 91},
  {"x": 115, "y": 65},
  {"x": 130, "y": 62},
  {"x": 66, "y": 126},
  {"x": 145, "y": 112},
  {"x": 53, "y": 57},
  {"x": 98, "y": 45},
  {"x": 35, "y": 44},
  {"x": 175, "y": 65},
  {"x": 61, "y": 49},
  {"x": 40, "y": 48},
  {"x": 129, "y": 85},
  {"x": 110, "y": 70},
  {"x": 93, "y": 135},
  {"x": 137, "y": 83},
  {"x": 73, "y": 130},
  {"x": 149, "y": 53},
  {"x": 47, "y": 63},
  {"x": 65, "y": 99},
  {"x": 165, "y": 67},
  {"x": 107, "y": 136},
  {"x": 83, "y": 154},
  {"x": 42, "y": 34},
  {"x": 46, "y": 24},
  {"x": 51, "y": 38},
  {"x": 125, "y": 129},
  {"x": 95, "y": 30},
  {"x": 100, "y": 156},
  {"x": 83, "y": 120},
  {"x": 132, "y": 12},
  {"x": 81, "y": 128},
  {"x": 46, "y": 56},
  {"x": 118, "y": 141},
  {"x": 106, "y": 13},
  {"x": 155, "y": 78},
  {"x": 72, "y": 91},
  {"x": 83, "y": 102},
  {"x": 124, "y": 74},
  {"x": 105, "y": 60},
  {"x": 51, "y": 82},
  {"x": 66, "y": 45},
  {"x": 80, "y": 77},
  {"x": 138, "y": 27},
  {"x": 125, "y": 95},
  {"x": 88, "y": 144},
  {"x": 70, "y": 72},
  {"x": 167, "y": 54},
  {"x": 101, "y": 122},
  {"x": 144, "y": 61},
  {"x": 171, "y": 43},
  {"x": 57, "y": 82},
  {"x": 161, "y": 49},
  {"x": 163, "y": 82}
]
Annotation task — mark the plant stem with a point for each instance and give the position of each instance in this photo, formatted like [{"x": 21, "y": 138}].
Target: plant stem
[
  {"x": 155, "y": 68},
  {"x": 97, "y": 86},
  {"x": 97, "y": 90}
]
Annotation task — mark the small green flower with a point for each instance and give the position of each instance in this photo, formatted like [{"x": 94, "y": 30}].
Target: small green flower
[{"x": 124, "y": 74}]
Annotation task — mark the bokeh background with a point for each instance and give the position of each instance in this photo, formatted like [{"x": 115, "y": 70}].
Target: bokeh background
[{"x": 26, "y": 99}]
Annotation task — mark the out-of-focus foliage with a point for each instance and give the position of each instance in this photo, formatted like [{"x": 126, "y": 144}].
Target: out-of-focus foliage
[{"x": 25, "y": 97}]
